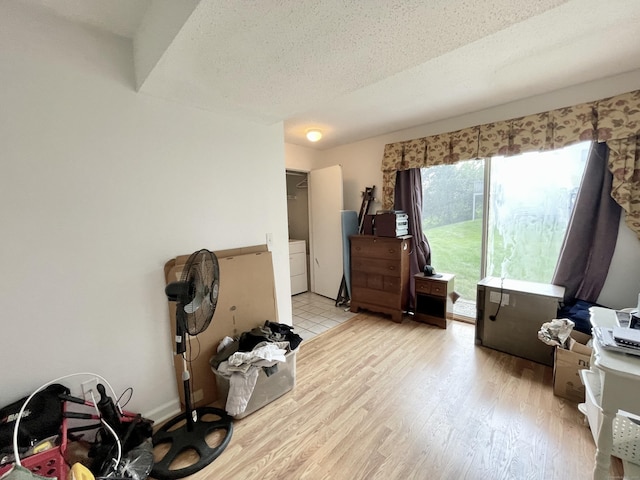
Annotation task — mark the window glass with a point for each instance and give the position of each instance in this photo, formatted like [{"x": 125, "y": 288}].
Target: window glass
[
  {"x": 530, "y": 204},
  {"x": 531, "y": 197},
  {"x": 452, "y": 222}
]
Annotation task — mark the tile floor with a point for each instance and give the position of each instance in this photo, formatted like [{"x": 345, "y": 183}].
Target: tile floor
[{"x": 314, "y": 314}]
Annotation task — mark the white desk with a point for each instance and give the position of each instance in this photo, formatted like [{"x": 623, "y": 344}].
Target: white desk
[{"x": 620, "y": 389}]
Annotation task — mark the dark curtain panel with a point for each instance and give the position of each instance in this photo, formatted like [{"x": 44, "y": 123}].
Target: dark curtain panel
[
  {"x": 408, "y": 197},
  {"x": 592, "y": 233}
]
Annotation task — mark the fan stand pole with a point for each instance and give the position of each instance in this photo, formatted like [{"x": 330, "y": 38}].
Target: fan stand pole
[
  {"x": 191, "y": 413},
  {"x": 181, "y": 349}
]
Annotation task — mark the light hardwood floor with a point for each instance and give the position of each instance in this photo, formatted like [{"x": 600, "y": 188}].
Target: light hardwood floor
[{"x": 379, "y": 400}]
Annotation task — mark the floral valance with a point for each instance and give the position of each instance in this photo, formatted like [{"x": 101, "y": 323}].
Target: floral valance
[
  {"x": 608, "y": 120},
  {"x": 602, "y": 120}
]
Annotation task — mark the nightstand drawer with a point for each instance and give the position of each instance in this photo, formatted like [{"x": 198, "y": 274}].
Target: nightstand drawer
[
  {"x": 423, "y": 287},
  {"x": 438, "y": 289},
  {"x": 431, "y": 287}
]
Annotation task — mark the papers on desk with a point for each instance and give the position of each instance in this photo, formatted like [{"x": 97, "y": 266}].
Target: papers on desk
[{"x": 618, "y": 339}]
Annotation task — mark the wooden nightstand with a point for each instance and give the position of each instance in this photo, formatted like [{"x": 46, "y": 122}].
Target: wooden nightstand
[{"x": 433, "y": 300}]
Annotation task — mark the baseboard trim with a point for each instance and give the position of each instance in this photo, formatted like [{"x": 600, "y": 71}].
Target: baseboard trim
[{"x": 164, "y": 412}]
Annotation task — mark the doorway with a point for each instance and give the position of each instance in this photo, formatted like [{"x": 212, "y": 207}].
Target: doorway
[
  {"x": 314, "y": 206},
  {"x": 298, "y": 206},
  {"x": 298, "y": 230}
]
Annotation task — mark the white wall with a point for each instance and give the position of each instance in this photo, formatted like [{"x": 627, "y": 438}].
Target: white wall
[
  {"x": 361, "y": 163},
  {"x": 301, "y": 159},
  {"x": 99, "y": 187},
  {"x": 623, "y": 282}
]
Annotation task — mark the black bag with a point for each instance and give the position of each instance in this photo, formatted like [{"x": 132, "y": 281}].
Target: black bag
[{"x": 41, "y": 419}]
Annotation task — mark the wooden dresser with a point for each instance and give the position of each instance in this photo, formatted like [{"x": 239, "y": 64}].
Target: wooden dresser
[{"x": 380, "y": 274}]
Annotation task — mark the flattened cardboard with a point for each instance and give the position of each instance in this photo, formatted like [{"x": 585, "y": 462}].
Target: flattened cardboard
[
  {"x": 567, "y": 365},
  {"x": 246, "y": 299},
  {"x": 182, "y": 259}
]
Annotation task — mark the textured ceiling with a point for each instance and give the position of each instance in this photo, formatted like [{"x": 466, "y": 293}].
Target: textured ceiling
[{"x": 358, "y": 69}]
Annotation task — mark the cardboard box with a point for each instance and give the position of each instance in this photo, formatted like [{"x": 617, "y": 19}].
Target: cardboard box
[
  {"x": 246, "y": 299},
  {"x": 566, "y": 366}
]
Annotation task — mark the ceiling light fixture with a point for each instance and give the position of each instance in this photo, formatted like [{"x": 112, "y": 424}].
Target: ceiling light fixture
[{"x": 314, "y": 135}]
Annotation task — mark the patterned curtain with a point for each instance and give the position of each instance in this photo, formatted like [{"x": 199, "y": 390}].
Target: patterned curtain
[{"x": 614, "y": 120}]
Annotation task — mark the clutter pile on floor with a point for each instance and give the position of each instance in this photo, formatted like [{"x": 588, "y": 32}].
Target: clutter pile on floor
[{"x": 54, "y": 434}]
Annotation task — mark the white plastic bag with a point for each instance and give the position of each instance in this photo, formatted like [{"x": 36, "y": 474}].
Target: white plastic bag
[{"x": 556, "y": 332}]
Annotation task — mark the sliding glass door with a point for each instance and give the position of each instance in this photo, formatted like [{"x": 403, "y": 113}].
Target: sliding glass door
[
  {"x": 452, "y": 220},
  {"x": 517, "y": 207},
  {"x": 530, "y": 204}
]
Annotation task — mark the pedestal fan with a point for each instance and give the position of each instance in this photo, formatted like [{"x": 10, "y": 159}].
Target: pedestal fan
[{"x": 196, "y": 296}]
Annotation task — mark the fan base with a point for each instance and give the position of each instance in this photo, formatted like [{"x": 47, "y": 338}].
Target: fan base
[{"x": 183, "y": 439}]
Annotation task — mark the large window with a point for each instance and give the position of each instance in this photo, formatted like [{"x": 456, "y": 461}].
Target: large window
[
  {"x": 452, "y": 212},
  {"x": 520, "y": 205}
]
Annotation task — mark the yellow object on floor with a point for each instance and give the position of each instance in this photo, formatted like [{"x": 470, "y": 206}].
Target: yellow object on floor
[{"x": 80, "y": 472}]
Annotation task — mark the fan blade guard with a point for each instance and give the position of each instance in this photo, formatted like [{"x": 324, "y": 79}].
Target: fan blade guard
[{"x": 202, "y": 273}]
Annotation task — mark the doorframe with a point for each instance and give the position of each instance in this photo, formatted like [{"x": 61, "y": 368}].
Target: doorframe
[{"x": 303, "y": 174}]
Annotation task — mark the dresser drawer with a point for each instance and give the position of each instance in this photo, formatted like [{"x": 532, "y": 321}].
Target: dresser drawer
[
  {"x": 376, "y": 266},
  {"x": 376, "y": 247},
  {"x": 379, "y": 282},
  {"x": 376, "y": 297}
]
